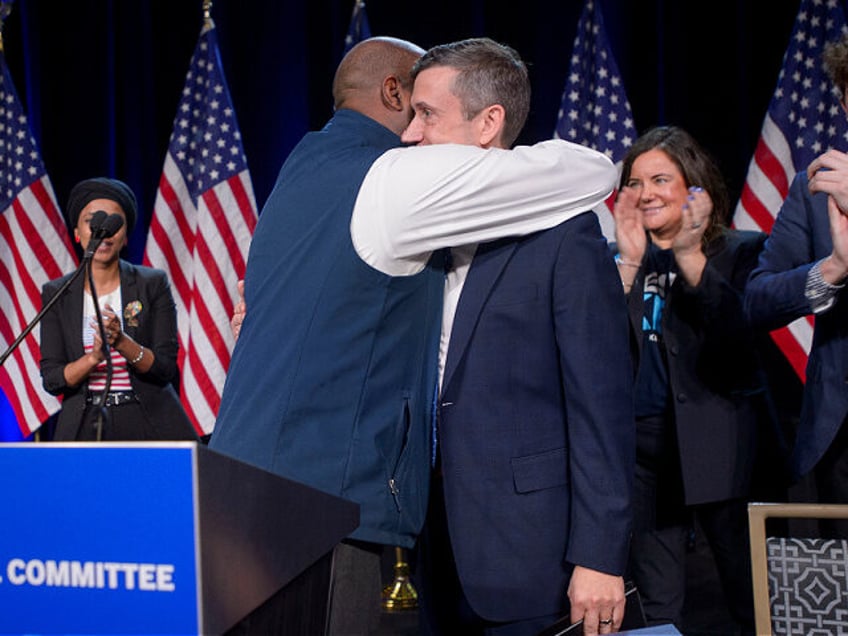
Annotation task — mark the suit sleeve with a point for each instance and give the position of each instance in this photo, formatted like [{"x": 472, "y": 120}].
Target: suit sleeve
[
  {"x": 592, "y": 337},
  {"x": 775, "y": 296}
]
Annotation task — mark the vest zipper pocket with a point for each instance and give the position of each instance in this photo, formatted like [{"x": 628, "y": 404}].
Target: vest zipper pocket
[
  {"x": 406, "y": 422},
  {"x": 393, "y": 489}
]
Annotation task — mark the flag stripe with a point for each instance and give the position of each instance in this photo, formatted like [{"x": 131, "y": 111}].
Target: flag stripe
[
  {"x": 758, "y": 213},
  {"x": 242, "y": 191},
  {"x": 19, "y": 375},
  {"x": 171, "y": 233},
  {"x": 768, "y": 180},
  {"x": 210, "y": 278},
  {"x": 775, "y": 165},
  {"x": 790, "y": 342}
]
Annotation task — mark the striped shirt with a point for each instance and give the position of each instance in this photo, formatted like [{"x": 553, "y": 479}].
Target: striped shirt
[{"x": 120, "y": 372}]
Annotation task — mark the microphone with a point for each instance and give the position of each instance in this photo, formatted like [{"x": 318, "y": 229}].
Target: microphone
[
  {"x": 95, "y": 224},
  {"x": 112, "y": 224},
  {"x": 102, "y": 226}
]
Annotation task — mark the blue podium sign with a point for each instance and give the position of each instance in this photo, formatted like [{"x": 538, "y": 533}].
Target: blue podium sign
[
  {"x": 98, "y": 538},
  {"x": 157, "y": 538}
]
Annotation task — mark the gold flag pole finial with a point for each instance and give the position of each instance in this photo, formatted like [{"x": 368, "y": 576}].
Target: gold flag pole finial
[
  {"x": 401, "y": 594},
  {"x": 207, "y": 15},
  {"x": 5, "y": 10}
]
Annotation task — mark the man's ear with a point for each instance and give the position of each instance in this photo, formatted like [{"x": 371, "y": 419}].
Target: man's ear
[
  {"x": 492, "y": 121},
  {"x": 392, "y": 94}
]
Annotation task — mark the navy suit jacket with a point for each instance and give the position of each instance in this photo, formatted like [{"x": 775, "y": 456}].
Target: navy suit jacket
[
  {"x": 536, "y": 420},
  {"x": 775, "y": 297}
]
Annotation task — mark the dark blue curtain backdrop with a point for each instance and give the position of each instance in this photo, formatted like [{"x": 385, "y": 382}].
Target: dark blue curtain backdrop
[{"x": 101, "y": 79}]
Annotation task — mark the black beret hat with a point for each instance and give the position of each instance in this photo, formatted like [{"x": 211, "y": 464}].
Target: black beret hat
[{"x": 87, "y": 191}]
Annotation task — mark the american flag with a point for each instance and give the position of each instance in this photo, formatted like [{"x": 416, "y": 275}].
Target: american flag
[
  {"x": 803, "y": 120},
  {"x": 595, "y": 111},
  {"x": 34, "y": 248},
  {"x": 202, "y": 224},
  {"x": 359, "y": 29}
]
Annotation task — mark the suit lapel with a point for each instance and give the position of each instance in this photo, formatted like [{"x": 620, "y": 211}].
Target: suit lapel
[{"x": 485, "y": 270}]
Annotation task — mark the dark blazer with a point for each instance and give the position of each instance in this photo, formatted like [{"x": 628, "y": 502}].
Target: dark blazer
[
  {"x": 156, "y": 329},
  {"x": 775, "y": 297},
  {"x": 718, "y": 390},
  {"x": 536, "y": 433}
]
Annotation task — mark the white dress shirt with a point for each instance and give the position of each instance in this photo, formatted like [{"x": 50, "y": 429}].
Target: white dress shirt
[{"x": 417, "y": 200}]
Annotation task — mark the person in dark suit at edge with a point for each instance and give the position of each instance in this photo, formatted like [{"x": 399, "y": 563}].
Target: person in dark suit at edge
[{"x": 802, "y": 272}]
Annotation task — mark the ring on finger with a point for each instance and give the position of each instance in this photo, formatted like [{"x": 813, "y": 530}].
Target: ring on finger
[{"x": 606, "y": 622}]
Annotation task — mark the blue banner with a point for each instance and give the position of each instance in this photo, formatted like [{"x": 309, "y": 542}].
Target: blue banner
[{"x": 98, "y": 538}]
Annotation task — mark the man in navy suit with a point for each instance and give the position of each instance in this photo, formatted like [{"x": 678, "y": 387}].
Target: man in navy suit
[
  {"x": 802, "y": 271},
  {"x": 530, "y": 497}
]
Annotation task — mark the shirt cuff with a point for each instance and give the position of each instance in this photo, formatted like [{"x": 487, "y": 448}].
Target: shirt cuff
[{"x": 818, "y": 291}]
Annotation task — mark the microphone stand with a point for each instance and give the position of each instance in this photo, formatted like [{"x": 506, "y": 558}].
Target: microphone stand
[{"x": 111, "y": 223}]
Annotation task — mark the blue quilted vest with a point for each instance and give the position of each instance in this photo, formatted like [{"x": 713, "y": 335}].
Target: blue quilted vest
[{"x": 332, "y": 378}]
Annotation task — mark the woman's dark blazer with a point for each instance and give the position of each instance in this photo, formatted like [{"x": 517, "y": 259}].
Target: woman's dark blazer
[
  {"x": 154, "y": 327},
  {"x": 718, "y": 388}
]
